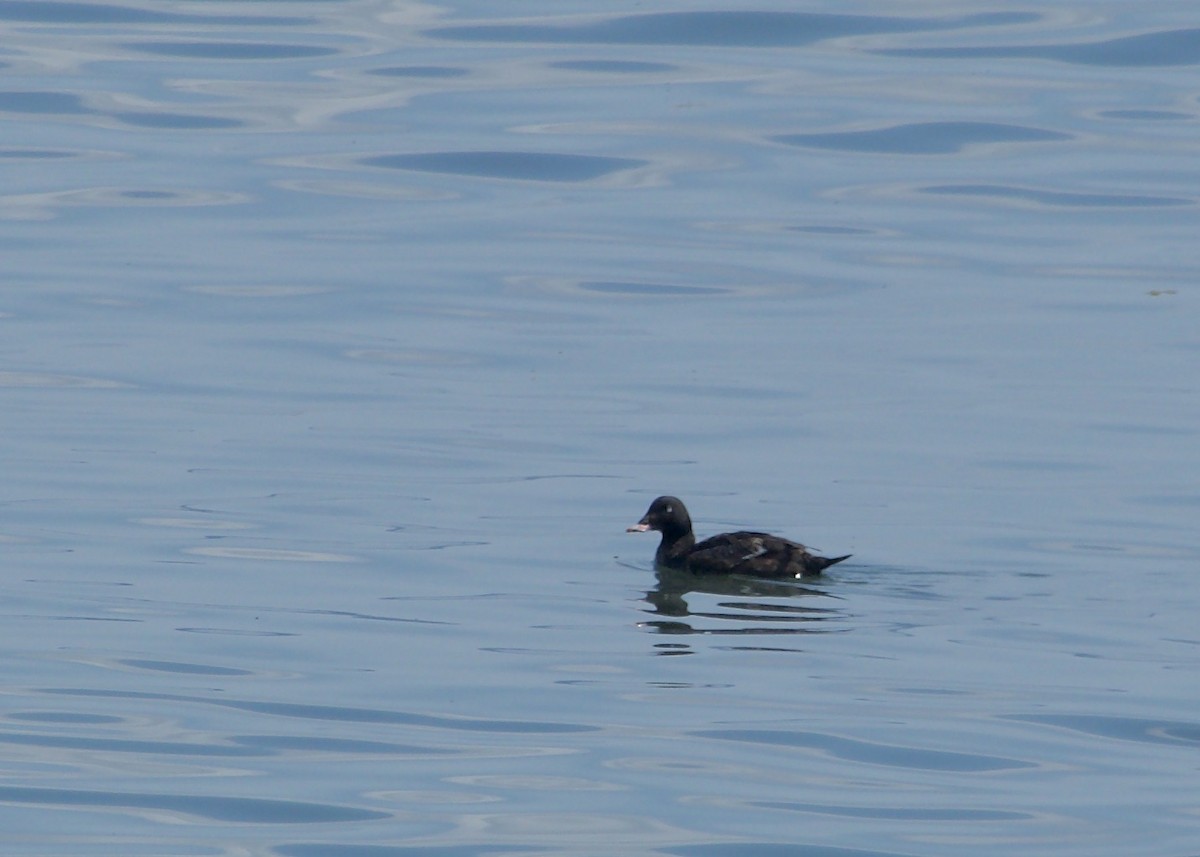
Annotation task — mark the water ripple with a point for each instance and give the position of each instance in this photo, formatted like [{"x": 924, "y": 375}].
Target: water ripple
[
  {"x": 1057, "y": 198},
  {"x": 716, "y": 28},
  {"x": 346, "y": 714},
  {"x": 124, "y": 745},
  {"x": 771, "y": 849},
  {"x": 54, "y": 12},
  {"x": 923, "y": 138},
  {"x": 521, "y": 166},
  {"x": 215, "y": 808},
  {"x": 50, "y": 381},
  {"x": 1175, "y": 733},
  {"x": 177, "y": 121},
  {"x": 905, "y": 813},
  {"x": 317, "y": 849},
  {"x": 61, "y": 717},
  {"x": 270, "y": 744},
  {"x": 614, "y": 66},
  {"x": 29, "y": 154},
  {"x": 115, "y": 197},
  {"x": 870, "y": 752},
  {"x": 1162, "y": 48},
  {"x": 34, "y": 101},
  {"x": 269, "y": 554},
  {"x": 230, "y": 50},
  {"x": 433, "y": 72},
  {"x": 183, "y": 668}
]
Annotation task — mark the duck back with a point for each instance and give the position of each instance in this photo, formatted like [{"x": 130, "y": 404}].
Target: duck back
[{"x": 757, "y": 554}]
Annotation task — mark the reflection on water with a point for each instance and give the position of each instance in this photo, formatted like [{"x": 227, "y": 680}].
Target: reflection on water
[{"x": 747, "y": 613}]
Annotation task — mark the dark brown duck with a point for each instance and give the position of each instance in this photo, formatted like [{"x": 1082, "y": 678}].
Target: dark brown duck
[{"x": 756, "y": 554}]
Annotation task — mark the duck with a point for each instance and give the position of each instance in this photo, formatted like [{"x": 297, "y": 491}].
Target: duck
[{"x": 743, "y": 552}]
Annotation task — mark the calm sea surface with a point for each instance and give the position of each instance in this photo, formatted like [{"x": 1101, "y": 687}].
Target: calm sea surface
[{"x": 340, "y": 341}]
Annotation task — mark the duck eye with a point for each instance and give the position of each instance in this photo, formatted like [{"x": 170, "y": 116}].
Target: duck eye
[{"x": 669, "y": 509}]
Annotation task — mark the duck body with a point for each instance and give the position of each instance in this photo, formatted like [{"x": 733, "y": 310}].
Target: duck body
[{"x": 743, "y": 552}]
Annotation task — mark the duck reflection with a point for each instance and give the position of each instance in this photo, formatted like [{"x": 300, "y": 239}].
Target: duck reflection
[{"x": 744, "y": 606}]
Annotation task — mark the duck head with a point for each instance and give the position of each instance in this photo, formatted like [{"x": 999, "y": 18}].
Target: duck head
[{"x": 667, "y": 515}]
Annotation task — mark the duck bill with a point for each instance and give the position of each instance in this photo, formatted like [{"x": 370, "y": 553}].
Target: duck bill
[{"x": 640, "y": 527}]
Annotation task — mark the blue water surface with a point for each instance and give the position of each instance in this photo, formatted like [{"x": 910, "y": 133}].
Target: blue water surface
[{"x": 342, "y": 341}]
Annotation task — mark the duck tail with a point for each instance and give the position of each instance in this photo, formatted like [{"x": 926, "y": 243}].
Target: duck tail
[{"x": 823, "y": 562}]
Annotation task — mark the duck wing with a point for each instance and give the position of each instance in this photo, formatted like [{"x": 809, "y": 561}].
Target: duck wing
[{"x": 758, "y": 554}]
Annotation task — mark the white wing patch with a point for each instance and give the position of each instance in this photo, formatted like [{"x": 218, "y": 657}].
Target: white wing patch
[{"x": 759, "y": 550}]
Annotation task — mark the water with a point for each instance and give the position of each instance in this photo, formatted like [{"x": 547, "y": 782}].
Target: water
[{"x": 341, "y": 341}]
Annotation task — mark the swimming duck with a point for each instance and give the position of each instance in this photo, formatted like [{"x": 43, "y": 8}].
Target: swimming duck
[{"x": 756, "y": 554}]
